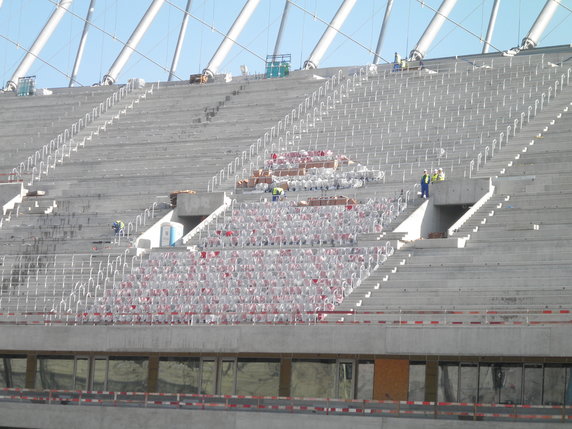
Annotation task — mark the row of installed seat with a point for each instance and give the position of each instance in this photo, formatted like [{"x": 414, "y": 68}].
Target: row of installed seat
[
  {"x": 329, "y": 179},
  {"x": 238, "y": 283},
  {"x": 288, "y": 223}
]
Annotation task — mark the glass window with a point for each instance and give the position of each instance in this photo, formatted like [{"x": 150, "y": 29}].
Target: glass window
[
  {"x": 127, "y": 374},
  {"x": 81, "y": 373},
  {"x": 416, "y": 382},
  {"x": 227, "y": 376},
  {"x": 55, "y": 373},
  {"x": 258, "y": 377},
  {"x": 3, "y": 374},
  {"x": 99, "y": 373},
  {"x": 179, "y": 375},
  {"x": 14, "y": 373},
  {"x": 468, "y": 383},
  {"x": 509, "y": 379},
  {"x": 532, "y": 385},
  {"x": 487, "y": 392},
  {"x": 364, "y": 387},
  {"x": 208, "y": 376},
  {"x": 448, "y": 382},
  {"x": 313, "y": 378},
  {"x": 554, "y": 383},
  {"x": 568, "y": 395},
  {"x": 345, "y": 380}
]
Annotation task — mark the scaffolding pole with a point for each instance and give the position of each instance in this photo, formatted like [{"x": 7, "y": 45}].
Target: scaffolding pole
[
  {"x": 180, "y": 40},
  {"x": 377, "y": 55},
  {"x": 282, "y": 25},
  {"x": 533, "y": 36},
  {"x": 432, "y": 30},
  {"x": 325, "y": 41},
  {"x": 235, "y": 30},
  {"x": 131, "y": 45},
  {"x": 39, "y": 44},
  {"x": 82, "y": 41}
]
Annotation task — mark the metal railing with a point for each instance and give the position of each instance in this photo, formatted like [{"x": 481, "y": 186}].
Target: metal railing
[
  {"x": 294, "y": 405},
  {"x": 294, "y": 123},
  {"x": 53, "y": 153},
  {"x": 517, "y": 123}
]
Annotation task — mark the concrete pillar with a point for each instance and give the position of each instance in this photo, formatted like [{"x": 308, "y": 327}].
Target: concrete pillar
[
  {"x": 285, "y": 377},
  {"x": 431, "y": 380},
  {"x": 391, "y": 379},
  {"x": 153, "y": 374},
  {"x": 31, "y": 368}
]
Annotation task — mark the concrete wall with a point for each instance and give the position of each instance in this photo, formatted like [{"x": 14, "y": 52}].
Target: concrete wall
[
  {"x": 444, "y": 208},
  {"x": 201, "y": 204},
  {"x": 10, "y": 194},
  {"x": 189, "y": 208},
  {"x": 152, "y": 237},
  {"x": 459, "y": 191},
  {"x": 547, "y": 340},
  {"x": 95, "y": 417},
  {"x": 426, "y": 219},
  {"x": 415, "y": 224},
  {"x": 512, "y": 184}
]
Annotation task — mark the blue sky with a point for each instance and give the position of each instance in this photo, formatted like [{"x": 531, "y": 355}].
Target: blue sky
[{"x": 21, "y": 21}]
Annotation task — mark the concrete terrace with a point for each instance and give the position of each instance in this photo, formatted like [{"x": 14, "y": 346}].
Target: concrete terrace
[{"x": 456, "y": 113}]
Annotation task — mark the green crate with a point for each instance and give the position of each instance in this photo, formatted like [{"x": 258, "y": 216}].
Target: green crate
[
  {"x": 277, "y": 66},
  {"x": 26, "y": 86}
]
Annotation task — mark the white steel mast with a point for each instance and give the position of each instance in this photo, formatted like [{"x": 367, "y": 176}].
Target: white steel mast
[
  {"x": 180, "y": 40},
  {"x": 491, "y": 28},
  {"x": 533, "y": 36},
  {"x": 282, "y": 25},
  {"x": 324, "y": 43},
  {"x": 418, "y": 53},
  {"x": 39, "y": 43},
  {"x": 131, "y": 45},
  {"x": 82, "y": 41},
  {"x": 232, "y": 35},
  {"x": 377, "y": 55}
]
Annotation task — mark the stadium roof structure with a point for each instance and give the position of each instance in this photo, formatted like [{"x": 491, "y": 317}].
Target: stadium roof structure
[{"x": 277, "y": 254}]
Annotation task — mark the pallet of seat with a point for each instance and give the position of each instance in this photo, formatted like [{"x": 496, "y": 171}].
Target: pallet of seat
[
  {"x": 289, "y": 172},
  {"x": 329, "y": 201},
  {"x": 319, "y": 164}
]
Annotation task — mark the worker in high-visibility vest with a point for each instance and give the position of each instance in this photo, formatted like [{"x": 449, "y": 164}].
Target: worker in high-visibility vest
[
  {"x": 435, "y": 176},
  {"x": 118, "y": 226},
  {"x": 277, "y": 193},
  {"x": 440, "y": 175},
  {"x": 425, "y": 180}
]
